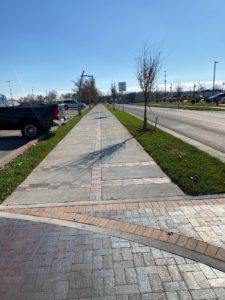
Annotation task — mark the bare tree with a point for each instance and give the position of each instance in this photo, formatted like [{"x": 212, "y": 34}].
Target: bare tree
[
  {"x": 27, "y": 100},
  {"x": 77, "y": 87},
  {"x": 88, "y": 91},
  {"x": 40, "y": 99},
  {"x": 92, "y": 90},
  {"x": 68, "y": 96},
  {"x": 51, "y": 97},
  {"x": 113, "y": 90},
  {"x": 147, "y": 70}
]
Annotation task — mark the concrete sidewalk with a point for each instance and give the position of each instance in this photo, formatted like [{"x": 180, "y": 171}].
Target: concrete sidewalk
[
  {"x": 98, "y": 219},
  {"x": 98, "y": 160}
]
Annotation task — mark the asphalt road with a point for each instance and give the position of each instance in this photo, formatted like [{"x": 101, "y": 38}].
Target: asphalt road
[
  {"x": 205, "y": 127},
  {"x": 12, "y": 140}
]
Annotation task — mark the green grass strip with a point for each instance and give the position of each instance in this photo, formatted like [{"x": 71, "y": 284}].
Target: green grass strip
[
  {"x": 194, "y": 171},
  {"x": 17, "y": 171}
]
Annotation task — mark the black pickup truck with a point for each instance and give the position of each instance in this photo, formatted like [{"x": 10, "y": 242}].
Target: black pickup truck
[{"x": 32, "y": 120}]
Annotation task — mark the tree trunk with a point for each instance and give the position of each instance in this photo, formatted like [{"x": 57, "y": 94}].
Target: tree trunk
[{"x": 145, "y": 115}]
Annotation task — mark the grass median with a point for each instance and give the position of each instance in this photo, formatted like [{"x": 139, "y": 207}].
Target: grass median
[
  {"x": 16, "y": 172},
  {"x": 194, "y": 171}
]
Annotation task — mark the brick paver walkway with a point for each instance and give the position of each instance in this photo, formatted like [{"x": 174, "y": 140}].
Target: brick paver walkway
[
  {"x": 98, "y": 219},
  {"x": 177, "y": 230},
  {"x": 45, "y": 261}
]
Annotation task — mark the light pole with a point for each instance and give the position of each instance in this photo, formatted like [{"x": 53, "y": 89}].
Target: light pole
[
  {"x": 194, "y": 96},
  {"x": 10, "y": 90},
  {"x": 81, "y": 81},
  {"x": 32, "y": 92},
  {"x": 165, "y": 80},
  {"x": 214, "y": 76}
]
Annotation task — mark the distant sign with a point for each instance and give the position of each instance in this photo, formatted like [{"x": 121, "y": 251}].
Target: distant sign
[{"x": 122, "y": 86}]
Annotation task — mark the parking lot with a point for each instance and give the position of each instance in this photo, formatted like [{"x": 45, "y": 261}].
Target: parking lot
[{"x": 11, "y": 141}]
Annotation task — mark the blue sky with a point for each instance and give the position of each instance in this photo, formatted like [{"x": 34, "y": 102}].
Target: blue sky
[{"x": 45, "y": 44}]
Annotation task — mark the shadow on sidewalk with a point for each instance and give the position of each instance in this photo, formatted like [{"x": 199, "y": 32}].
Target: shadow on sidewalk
[
  {"x": 87, "y": 161},
  {"x": 99, "y": 118}
]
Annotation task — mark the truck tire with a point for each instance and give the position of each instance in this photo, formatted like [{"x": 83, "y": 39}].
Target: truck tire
[{"x": 30, "y": 130}]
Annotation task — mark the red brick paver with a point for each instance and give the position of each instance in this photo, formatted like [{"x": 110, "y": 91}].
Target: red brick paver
[{"x": 74, "y": 213}]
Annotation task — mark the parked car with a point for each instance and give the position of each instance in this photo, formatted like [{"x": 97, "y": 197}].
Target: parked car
[
  {"x": 216, "y": 98},
  {"x": 164, "y": 98},
  {"x": 185, "y": 98},
  {"x": 32, "y": 120},
  {"x": 196, "y": 98},
  {"x": 72, "y": 103},
  {"x": 173, "y": 98}
]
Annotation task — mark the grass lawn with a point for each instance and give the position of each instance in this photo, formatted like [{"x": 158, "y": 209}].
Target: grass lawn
[
  {"x": 194, "y": 171},
  {"x": 197, "y": 106},
  {"x": 17, "y": 171}
]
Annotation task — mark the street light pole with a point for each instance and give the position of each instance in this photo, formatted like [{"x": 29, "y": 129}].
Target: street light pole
[
  {"x": 81, "y": 81},
  {"x": 32, "y": 92},
  {"x": 214, "y": 76},
  {"x": 10, "y": 90},
  {"x": 194, "y": 92}
]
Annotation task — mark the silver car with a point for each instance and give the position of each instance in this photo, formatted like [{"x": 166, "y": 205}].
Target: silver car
[{"x": 71, "y": 103}]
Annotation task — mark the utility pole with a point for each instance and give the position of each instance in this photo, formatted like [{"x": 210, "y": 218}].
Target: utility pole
[
  {"x": 32, "y": 92},
  {"x": 214, "y": 76},
  {"x": 165, "y": 80},
  {"x": 81, "y": 82},
  {"x": 10, "y": 90},
  {"x": 194, "y": 87}
]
